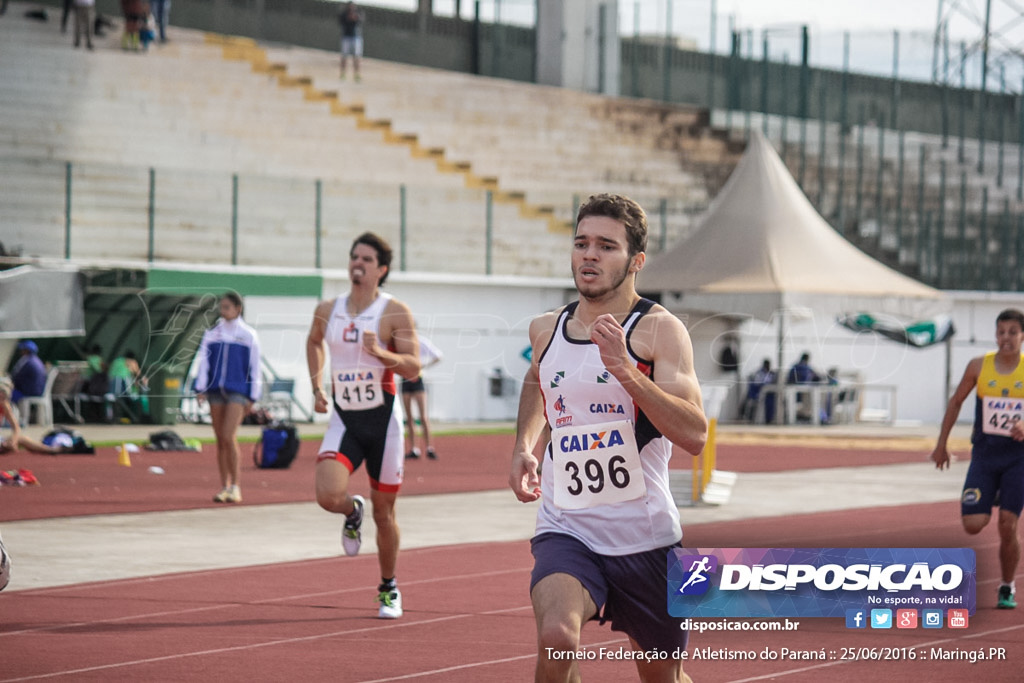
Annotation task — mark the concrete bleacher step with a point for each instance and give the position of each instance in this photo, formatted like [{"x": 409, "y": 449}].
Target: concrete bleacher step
[{"x": 214, "y": 107}]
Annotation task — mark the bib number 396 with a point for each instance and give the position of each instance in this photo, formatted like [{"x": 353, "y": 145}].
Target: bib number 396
[{"x": 596, "y": 465}]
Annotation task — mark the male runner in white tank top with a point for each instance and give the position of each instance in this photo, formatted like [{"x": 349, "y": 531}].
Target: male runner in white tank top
[
  {"x": 611, "y": 383},
  {"x": 372, "y": 338}
]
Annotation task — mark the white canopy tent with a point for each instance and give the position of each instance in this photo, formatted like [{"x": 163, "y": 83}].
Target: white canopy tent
[
  {"x": 763, "y": 251},
  {"x": 762, "y": 248}
]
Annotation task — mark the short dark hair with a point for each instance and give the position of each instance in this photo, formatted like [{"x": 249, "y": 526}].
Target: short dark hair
[
  {"x": 1011, "y": 314},
  {"x": 235, "y": 298},
  {"x": 378, "y": 244},
  {"x": 622, "y": 209}
]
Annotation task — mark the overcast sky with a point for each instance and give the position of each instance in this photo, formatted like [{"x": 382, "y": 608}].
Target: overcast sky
[
  {"x": 871, "y": 23},
  {"x": 886, "y": 15},
  {"x": 882, "y": 15}
]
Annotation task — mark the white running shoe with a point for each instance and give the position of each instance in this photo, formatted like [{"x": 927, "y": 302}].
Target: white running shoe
[
  {"x": 5, "y": 566},
  {"x": 351, "y": 536},
  {"x": 390, "y": 604}
]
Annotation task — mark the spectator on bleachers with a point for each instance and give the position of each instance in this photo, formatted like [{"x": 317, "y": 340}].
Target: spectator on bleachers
[
  {"x": 135, "y": 12},
  {"x": 147, "y": 32},
  {"x": 351, "y": 20},
  {"x": 162, "y": 13},
  {"x": 127, "y": 383},
  {"x": 95, "y": 380},
  {"x": 124, "y": 374},
  {"x": 83, "y": 21},
  {"x": 28, "y": 373},
  {"x": 755, "y": 383},
  {"x": 803, "y": 373},
  {"x": 68, "y": 4}
]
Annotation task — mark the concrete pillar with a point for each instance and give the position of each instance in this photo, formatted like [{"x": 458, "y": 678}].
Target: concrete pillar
[
  {"x": 424, "y": 8},
  {"x": 578, "y": 44}
]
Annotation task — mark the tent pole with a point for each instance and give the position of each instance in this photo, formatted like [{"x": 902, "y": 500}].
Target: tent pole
[
  {"x": 949, "y": 373},
  {"x": 780, "y": 403},
  {"x": 778, "y": 359}
]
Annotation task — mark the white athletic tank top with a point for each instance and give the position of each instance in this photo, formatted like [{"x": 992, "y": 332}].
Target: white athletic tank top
[
  {"x": 359, "y": 380},
  {"x": 604, "y": 478}
]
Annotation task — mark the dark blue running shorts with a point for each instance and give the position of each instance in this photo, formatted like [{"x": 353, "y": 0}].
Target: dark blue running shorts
[
  {"x": 630, "y": 591},
  {"x": 989, "y": 474}
]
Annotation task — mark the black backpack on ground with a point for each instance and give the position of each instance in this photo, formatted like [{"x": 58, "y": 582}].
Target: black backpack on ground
[
  {"x": 72, "y": 439},
  {"x": 167, "y": 441},
  {"x": 277, "y": 447}
]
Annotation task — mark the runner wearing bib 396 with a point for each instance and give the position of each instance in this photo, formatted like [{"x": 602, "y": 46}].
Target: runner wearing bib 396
[
  {"x": 371, "y": 337},
  {"x": 996, "y": 473},
  {"x": 612, "y": 383}
]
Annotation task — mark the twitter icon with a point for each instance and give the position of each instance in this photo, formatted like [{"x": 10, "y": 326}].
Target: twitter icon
[{"x": 881, "y": 618}]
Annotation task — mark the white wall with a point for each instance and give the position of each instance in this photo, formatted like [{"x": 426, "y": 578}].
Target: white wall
[
  {"x": 480, "y": 324},
  {"x": 919, "y": 374}
]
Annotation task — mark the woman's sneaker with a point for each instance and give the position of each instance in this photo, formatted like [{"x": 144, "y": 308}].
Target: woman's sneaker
[
  {"x": 222, "y": 495},
  {"x": 351, "y": 536},
  {"x": 390, "y": 604},
  {"x": 234, "y": 495}
]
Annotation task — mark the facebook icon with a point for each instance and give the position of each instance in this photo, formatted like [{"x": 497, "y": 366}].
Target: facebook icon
[{"x": 856, "y": 618}]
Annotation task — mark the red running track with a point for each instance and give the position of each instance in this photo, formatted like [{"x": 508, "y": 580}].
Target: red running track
[
  {"x": 468, "y": 619},
  {"x": 468, "y": 616},
  {"x": 74, "y": 485}
]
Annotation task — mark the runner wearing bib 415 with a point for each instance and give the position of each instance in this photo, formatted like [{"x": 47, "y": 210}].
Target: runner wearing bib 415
[{"x": 371, "y": 339}]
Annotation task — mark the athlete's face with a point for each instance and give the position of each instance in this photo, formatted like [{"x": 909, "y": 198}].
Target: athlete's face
[
  {"x": 1009, "y": 336},
  {"x": 363, "y": 266},
  {"x": 600, "y": 257}
]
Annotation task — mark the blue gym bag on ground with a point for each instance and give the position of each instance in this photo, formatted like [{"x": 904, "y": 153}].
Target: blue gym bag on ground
[{"x": 277, "y": 447}]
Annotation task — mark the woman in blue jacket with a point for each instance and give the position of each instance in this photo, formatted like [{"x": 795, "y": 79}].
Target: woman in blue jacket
[{"x": 229, "y": 378}]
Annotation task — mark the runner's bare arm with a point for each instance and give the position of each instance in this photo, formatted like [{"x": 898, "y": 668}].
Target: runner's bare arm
[
  {"x": 7, "y": 413},
  {"x": 316, "y": 355},
  {"x": 398, "y": 331},
  {"x": 670, "y": 399},
  {"x": 530, "y": 423},
  {"x": 940, "y": 455}
]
